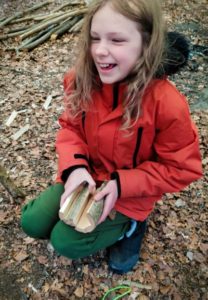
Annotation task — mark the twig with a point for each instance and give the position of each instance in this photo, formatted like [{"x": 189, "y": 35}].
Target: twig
[{"x": 20, "y": 14}]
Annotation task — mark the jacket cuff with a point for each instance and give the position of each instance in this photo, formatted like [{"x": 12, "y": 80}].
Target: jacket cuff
[
  {"x": 68, "y": 171},
  {"x": 115, "y": 176}
]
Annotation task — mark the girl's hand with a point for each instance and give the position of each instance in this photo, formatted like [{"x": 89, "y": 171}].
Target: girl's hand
[
  {"x": 110, "y": 192},
  {"x": 74, "y": 180}
]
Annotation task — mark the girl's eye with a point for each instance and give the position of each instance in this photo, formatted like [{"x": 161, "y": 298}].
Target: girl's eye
[
  {"x": 93, "y": 38},
  {"x": 118, "y": 40}
]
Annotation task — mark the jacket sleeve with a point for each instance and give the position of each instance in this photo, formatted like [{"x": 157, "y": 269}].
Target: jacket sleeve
[
  {"x": 71, "y": 147},
  {"x": 178, "y": 161}
]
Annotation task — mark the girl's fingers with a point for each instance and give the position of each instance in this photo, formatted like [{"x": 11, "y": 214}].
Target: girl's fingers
[
  {"x": 70, "y": 188},
  {"x": 109, "y": 204},
  {"x": 100, "y": 195},
  {"x": 92, "y": 185},
  {"x": 63, "y": 199}
]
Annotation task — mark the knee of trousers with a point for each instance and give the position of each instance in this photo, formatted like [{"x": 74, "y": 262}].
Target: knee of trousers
[
  {"x": 67, "y": 245},
  {"x": 32, "y": 223}
]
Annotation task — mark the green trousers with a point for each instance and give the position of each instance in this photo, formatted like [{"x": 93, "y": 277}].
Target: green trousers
[{"x": 40, "y": 220}]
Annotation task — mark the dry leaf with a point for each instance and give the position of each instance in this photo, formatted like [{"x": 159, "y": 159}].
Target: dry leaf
[
  {"x": 79, "y": 292},
  {"x": 3, "y": 215},
  {"x": 165, "y": 289},
  {"x": 42, "y": 259},
  {"x": 21, "y": 256},
  {"x": 143, "y": 297}
]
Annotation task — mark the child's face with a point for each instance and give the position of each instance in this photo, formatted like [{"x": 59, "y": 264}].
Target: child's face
[{"x": 116, "y": 44}]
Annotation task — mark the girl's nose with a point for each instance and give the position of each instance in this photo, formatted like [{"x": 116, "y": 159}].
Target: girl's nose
[{"x": 101, "y": 49}]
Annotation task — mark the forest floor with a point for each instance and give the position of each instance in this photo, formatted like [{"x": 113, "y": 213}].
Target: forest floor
[{"x": 174, "y": 256}]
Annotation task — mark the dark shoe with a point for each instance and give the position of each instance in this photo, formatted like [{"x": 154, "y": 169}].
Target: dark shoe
[{"x": 124, "y": 254}]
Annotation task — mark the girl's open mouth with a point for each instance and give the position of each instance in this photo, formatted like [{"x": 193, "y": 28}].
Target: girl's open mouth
[{"x": 107, "y": 66}]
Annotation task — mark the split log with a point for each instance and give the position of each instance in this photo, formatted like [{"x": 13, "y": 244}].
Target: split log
[
  {"x": 91, "y": 214},
  {"x": 81, "y": 210},
  {"x": 64, "y": 210},
  {"x": 78, "y": 206}
]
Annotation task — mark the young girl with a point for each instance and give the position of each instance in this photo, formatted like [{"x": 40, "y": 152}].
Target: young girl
[{"x": 125, "y": 123}]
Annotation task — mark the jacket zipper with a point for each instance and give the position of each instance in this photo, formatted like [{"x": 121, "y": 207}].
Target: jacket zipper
[
  {"x": 115, "y": 95},
  {"x": 138, "y": 143},
  {"x": 83, "y": 120}
]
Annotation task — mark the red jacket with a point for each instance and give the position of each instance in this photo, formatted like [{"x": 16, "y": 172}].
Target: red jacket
[{"x": 162, "y": 155}]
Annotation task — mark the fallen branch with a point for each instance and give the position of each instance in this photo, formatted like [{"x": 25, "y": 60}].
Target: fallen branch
[
  {"x": 10, "y": 35},
  {"x": 44, "y": 26},
  {"x": 37, "y": 41},
  {"x": 9, "y": 185},
  {"x": 34, "y": 38},
  {"x": 76, "y": 26},
  {"x": 18, "y": 29},
  {"x": 39, "y": 17},
  {"x": 52, "y": 21},
  {"x": 20, "y": 14},
  {"x": 64, "y": 27},
  {"x": 64, "y": 5}
]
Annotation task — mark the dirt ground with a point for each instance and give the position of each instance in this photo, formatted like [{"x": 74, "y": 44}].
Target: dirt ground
[{"x": 173, "y": 261}]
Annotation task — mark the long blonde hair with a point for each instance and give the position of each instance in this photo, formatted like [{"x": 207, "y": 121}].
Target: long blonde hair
[{"x": 147, "y": 13}]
